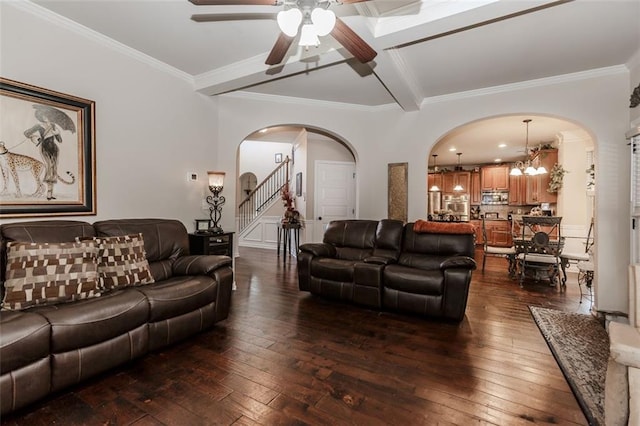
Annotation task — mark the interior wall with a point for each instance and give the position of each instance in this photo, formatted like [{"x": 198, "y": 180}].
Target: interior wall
[
  {"x": 598, "y": 102},
  {"x": 152, "y": 129},
  {"x": 258, "y": 157}
]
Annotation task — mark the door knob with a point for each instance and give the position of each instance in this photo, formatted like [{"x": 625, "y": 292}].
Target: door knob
[{"x": 319, "y": 217}]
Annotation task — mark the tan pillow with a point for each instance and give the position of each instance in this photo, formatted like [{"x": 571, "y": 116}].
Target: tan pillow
[
  {"x": 122, "y": 261},
  {"x": 49, "y": 273}
]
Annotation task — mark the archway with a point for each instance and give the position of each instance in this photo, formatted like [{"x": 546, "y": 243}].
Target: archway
[
  {"x": 498, "y": 142},
  {"x": 300, "y": 147}
]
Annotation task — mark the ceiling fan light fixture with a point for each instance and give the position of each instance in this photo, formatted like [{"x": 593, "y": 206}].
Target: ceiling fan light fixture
[
  {"x": 308, "y": 36},
  {"x": 324, "y": 21},
  {"x": 289, "y": 21}
]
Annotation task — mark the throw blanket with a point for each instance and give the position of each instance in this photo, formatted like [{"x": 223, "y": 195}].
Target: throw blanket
[{"x": 424, "y": 226}]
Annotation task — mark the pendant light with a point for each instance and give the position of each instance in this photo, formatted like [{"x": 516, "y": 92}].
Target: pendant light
[
  {"x": 525, "y": 166},
  {"x": 434, "y": 188}
]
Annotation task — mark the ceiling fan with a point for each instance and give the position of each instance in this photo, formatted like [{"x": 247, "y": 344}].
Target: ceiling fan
[{"x": 306, "y": 18}]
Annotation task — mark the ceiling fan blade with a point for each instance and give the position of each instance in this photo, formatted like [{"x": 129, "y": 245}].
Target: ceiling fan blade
[
  {"x": 216, "y": 17},
  {"x": 234, "y": 2},
  {"x": 279, "y": 49},
  {"x": 352, "y": 42}
]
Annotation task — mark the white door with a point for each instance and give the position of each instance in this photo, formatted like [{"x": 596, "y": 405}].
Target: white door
[{"x": 334, "y": 193}]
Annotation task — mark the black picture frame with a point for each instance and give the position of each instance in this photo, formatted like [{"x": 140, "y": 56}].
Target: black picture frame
[
  {"x": 278, "y": 157},
  {"x": 299, "y": 184},
  {"x": 53, "y": 135},
  {"x": 203, "y": 226}
]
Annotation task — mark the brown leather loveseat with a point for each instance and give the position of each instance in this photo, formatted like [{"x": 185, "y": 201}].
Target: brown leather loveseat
[
  {"x": 422, "y": 268},
  {"x": 48, "y": 347}
]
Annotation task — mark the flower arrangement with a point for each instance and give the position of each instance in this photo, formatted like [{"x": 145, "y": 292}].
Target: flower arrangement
[
  {"x": 291, "y": 215},
  {"x": 557, "y": 173}
]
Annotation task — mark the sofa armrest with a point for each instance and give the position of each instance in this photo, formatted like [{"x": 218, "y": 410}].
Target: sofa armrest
[
  {"x": 380, "y": 260},
  {"x": 199, "y": 264},
  {"x": 464, "y": 262},
  {"x": 319, "y": 249}
]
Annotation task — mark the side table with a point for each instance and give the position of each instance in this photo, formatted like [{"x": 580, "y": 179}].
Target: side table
[
  {"x": 284, "y": 235},
  {"x": 205, "y": 243}
]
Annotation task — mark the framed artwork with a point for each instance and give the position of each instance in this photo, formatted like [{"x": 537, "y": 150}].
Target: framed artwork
[
  {"x": 397, "y": 198},
  {"x": 202, "y": 226},
  {"x": 279, "y": 157},
  {"x": 47, "y": 152},
  {"x": 299, "y": 184}
]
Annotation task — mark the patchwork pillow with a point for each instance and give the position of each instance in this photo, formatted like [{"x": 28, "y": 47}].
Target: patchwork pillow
[
  {"x": 49, "y": 273},
  {"x": 122, "y": 261}
]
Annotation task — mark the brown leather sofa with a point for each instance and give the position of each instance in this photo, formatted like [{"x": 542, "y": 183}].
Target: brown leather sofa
[
  {"x": 48, "y": 348},
  {"x": 387, "y": 265}
]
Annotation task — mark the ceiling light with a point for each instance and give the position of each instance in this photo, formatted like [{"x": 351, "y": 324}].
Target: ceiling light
[
  {"x": 452, "y": 149},
  {"x": 502, "y": 145},
  {"x": 308, "y": 36},
  {"x": 525, "y": 166},
  {"x": 289, "y": 21},
  {"x": 323, "y": 20},
  {"x": 497, "y": 160}
]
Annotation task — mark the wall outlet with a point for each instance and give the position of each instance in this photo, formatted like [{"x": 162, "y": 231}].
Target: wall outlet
[{"x": 192, "y": 177}]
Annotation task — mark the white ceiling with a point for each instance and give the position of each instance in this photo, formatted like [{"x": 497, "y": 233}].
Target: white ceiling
[{"x": 426, "y": 49}]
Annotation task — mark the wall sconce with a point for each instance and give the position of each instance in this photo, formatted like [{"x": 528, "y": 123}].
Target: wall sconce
[{"x": 216, "y": 183}]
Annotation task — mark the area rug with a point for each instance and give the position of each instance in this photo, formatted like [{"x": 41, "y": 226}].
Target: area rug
[{"x": 580, "y": 345}]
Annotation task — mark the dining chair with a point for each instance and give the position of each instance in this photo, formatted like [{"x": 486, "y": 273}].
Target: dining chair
[
  {"x": 539, "y": 248},
  {"x": 583, "y": 261},
  {"x": 497, "y": 251}
]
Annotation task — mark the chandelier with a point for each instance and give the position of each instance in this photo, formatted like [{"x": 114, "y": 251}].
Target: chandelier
[
  {"x": 316, "y": 21},
  {"x": 526, "y": 166}
]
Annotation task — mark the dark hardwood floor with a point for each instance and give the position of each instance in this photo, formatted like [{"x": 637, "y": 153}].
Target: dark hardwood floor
[{"x": 286, "y": 357}]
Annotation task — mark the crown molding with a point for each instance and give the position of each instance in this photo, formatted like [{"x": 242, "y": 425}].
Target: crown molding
[
  {"x": 46, "y": 14},
  {"x": 512, "y": 87},
  {"x": 309, "y": 102}
]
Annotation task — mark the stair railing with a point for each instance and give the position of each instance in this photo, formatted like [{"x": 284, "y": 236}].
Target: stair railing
[{"x": 262, "y": 196}]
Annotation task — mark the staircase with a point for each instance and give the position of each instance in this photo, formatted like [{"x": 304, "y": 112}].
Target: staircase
[{"x": 265, "y": 193}]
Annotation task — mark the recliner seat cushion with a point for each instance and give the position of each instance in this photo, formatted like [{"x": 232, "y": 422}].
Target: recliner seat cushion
[
  {"x": 88, "y": 322},
  {"x": 25, "y": 338},
  {"x": 179, "y": 295},
  {"x": 333, "y": 269},
  {"x": 412, "y": 280}
]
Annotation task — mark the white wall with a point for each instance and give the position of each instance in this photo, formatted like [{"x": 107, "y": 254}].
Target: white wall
[
  {"x": 258, "y": 157},
  {"x": 597, "y": 101},
  {"x": 151, "y": 127}
]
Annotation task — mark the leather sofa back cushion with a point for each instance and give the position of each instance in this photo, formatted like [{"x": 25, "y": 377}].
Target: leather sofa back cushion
[
  {"x": 353, "y": 239},
  {"x": 49, "y": 273},
  {"x": 388, "y": 238},
  {"x": 122, "y": 261},
  {"x": 437, "y": 244},
  {"x": 163, "y": 238}
]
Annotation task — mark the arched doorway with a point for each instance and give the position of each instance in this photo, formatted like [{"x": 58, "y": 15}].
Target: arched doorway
[
  {"x": 301, "y": 147},
  {"x": 499, "y": 142}
]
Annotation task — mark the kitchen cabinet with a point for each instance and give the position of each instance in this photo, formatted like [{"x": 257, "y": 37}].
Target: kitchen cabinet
[
  {"x": 434, "y": 179},
  {"x": 499, "y": 233},
  {"x": 537, "y": 185},
  {"x": 495, "y": 178},
  {"x": 517, "y": 190},
  {"x": 475, "y": 193},
  {"x": 451, "y": 179}
]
